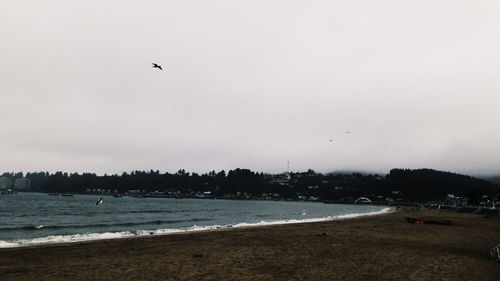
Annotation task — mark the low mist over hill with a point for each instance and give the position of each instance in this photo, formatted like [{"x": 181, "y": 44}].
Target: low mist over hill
[
  {"x": 493, "y": 179},
  {"x": 426, "y": 183}
]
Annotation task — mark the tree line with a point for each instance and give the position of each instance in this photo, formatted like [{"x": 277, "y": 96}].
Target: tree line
[{"x": 402, "y": 184}]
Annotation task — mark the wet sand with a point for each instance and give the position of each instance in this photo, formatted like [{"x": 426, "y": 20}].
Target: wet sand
[{"x": 383, "y": 247}]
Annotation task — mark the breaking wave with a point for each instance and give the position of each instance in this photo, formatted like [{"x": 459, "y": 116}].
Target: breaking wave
[
  {"x": 125, "y": 234},
  {"x": 40, "y": 227}
]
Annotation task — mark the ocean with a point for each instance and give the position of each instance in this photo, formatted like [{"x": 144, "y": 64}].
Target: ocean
[{"x": 28, "y": 219}]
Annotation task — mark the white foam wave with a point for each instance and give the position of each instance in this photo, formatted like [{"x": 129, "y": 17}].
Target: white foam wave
[
  {"x": 329, "y": 218},
  {"x": 124, "y": 234},
  {"x": 5, "y": 244}
]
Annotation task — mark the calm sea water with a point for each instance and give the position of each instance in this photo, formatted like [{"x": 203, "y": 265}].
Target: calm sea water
[{"x": 37, "y": 218}]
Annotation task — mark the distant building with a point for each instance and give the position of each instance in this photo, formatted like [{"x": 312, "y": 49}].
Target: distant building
[
  {"x": 456, "y": 201},
  {"x": 22, "y": 184},
  {"x": 5, "y": 183},
  {"x": 281, "y": 179}
]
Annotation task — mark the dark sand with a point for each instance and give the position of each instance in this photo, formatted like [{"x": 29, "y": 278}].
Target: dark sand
[{"x": 383, "y": 247}]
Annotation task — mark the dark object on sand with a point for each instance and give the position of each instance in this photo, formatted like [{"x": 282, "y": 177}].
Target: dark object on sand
[
  {"x": 197, "y": 255},
  {"x": 420, "y": 221}
]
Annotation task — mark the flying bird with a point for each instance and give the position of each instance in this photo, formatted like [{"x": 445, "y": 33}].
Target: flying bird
[
  {"x": 348, "y": 132},
  {"x": 156, "y": 66},
  {"x": 99, "y": 201},
  {"x": 331, "y": 140}
]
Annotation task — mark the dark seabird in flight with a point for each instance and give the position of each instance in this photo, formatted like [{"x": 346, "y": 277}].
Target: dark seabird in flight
[
  {"x": 157, "y": 66},
  {"x": 331, "y": 140},
  {"x": 99, "y": 201}
]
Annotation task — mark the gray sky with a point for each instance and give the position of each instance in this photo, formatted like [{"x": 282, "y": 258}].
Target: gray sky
[{"x": 249, "y": 84}]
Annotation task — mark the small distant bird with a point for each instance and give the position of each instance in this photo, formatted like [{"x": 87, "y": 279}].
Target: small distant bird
[
  {"x": 157, "y": 66},
  {"x": 331, "y": 140},
  {"x": 99, "y": 201},
  {"x": 348, "y": 132}
]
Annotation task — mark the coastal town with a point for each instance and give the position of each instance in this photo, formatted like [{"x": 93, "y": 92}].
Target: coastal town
[{"x": 352, "y": 188}]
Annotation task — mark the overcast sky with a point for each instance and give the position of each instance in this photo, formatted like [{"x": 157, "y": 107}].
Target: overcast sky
[{"x": 249, "y": 84}]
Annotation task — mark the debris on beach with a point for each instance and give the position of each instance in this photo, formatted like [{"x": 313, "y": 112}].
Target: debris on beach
[
  {"x": 421, "y": 221},
  {"x": 495, "y": 252}
]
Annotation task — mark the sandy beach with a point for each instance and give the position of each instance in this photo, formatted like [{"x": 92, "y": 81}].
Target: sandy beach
[{"x": 383, "y": 247}]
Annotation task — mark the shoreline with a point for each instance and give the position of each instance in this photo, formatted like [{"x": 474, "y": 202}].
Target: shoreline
[
  {"x": 77, "y": 238},
  {"x": 381, "y": 247}
]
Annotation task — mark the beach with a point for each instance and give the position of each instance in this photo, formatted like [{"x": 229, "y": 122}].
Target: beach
[{"x": 381, "y": 247}]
